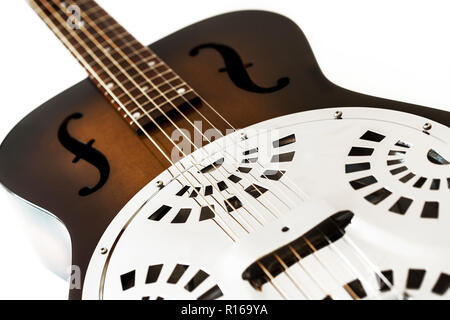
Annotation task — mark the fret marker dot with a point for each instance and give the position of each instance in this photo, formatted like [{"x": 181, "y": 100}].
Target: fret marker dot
[
  {"x": 110, "y": 85},
  {"x": 136, "y": 115},
  {"x": 151, "y": 63},
  {"x": 181, "y": 90}
]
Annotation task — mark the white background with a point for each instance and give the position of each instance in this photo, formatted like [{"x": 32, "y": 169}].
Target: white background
[{"x": 393, "y": 49}]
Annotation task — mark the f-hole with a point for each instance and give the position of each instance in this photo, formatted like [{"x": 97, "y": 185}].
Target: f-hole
[
  {"x": 236, "y": 69},
  {"x": 84, "y": 151}
]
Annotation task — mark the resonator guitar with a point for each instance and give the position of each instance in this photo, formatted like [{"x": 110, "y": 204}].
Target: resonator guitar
[{"x": 220, "y": 163}]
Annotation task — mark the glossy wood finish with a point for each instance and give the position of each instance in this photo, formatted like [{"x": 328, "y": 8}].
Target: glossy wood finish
[
  {"x": 117, "y": 63},
  {"x": 35, "y": 166}
]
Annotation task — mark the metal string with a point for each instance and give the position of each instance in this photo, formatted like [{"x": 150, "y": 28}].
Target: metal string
[
  {"x": 95, "y": 41},
  {"x": 86, "y": 65},
  {"x": 159, "y": 127},
  {"x": 180, "y": 112},
  {"x": 100, "y": 63},
  {"x": 195, "y": 146},
  {"x": 143, "y": 92},
  {"x": 289, "y": 276},
  {"x": 366, "y": 260},
  {"x": 167, "y": 81}
]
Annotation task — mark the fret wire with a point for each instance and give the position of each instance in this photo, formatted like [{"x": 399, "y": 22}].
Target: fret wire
[
  {"x": 158, "y": 84},
  {"x": 230, "y": 233},
  {"x": 97, "y": 51},
  {"x": 47, "y": 19},
  {"x": 96, "y": 14},
  {"x": 159, "y": 75},
  {"x": 93, "y": 9},
  {"x": 103, "y": 31},
  {"x": 139, "y": 71},
  {"x": 100, "y": 16},
  {"x": 119, "y": 36},
  {"x": 149, "y": 68},
  {"x": 164, "y": 103},
  {"x": 104, "y": 15},
  {"x": 153, "y": 84},
  {"x": 146, "y": 84},
  {"x": 122, "y": 35},
  {"x": 103, "y": 18},
  {"x": 111, "y": 27},
  {"x": 88, "y": 11},
  {"x": 121, "y": 47},
  {"x": 116, "y": 73},
  {"x": 206, "y": 103},
  {"x": 212, "y": 109},
  {"x": 164, "y": 79},
  {"x": 182, "y": 83},
  {"x": 155, "y": 107},
  {"x": 119, "y": 59},
  {"x": 184, "y": 135},
  {"x": 147, "y": 65},
  {"x": 82, "y": 3},
  {"x": 148, "y": 71},
  {"x": 150, "y": 92},
  {"x": 120, "y": 84},
  {"x": 150, "y": 100},
  {"x": 96, "y": 7},
  {"x": 170, "y": 89},
  {"x": 116, "y": 37},
  {"x": 144, "y": 104},
  {"x": 154, "y": 104},
  {"x": 154, "y": 76},
  {"x": 181, "y": 172},
  {"x": 124, "y": 59},
  {"x": 216, "y": 113}
]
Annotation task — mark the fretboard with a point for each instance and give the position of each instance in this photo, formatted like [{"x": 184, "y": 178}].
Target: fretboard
[{"x": 137, "y": 82}]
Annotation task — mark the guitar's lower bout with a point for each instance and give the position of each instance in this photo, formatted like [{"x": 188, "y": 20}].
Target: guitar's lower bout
[{"x": 37, "y": 166}]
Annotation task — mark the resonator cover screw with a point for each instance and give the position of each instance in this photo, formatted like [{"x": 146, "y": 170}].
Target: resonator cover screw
[{"x": 427, "y": 126}]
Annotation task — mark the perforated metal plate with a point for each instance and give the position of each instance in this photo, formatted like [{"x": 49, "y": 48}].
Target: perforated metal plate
[{"x": 230, "y": 203}]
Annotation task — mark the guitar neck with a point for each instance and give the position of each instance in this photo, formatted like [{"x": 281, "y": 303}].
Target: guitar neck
[{"x": 136, "y": 81}]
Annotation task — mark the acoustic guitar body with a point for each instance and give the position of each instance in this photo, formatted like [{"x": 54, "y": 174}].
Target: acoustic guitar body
[{"x": 76, "y": 157}]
